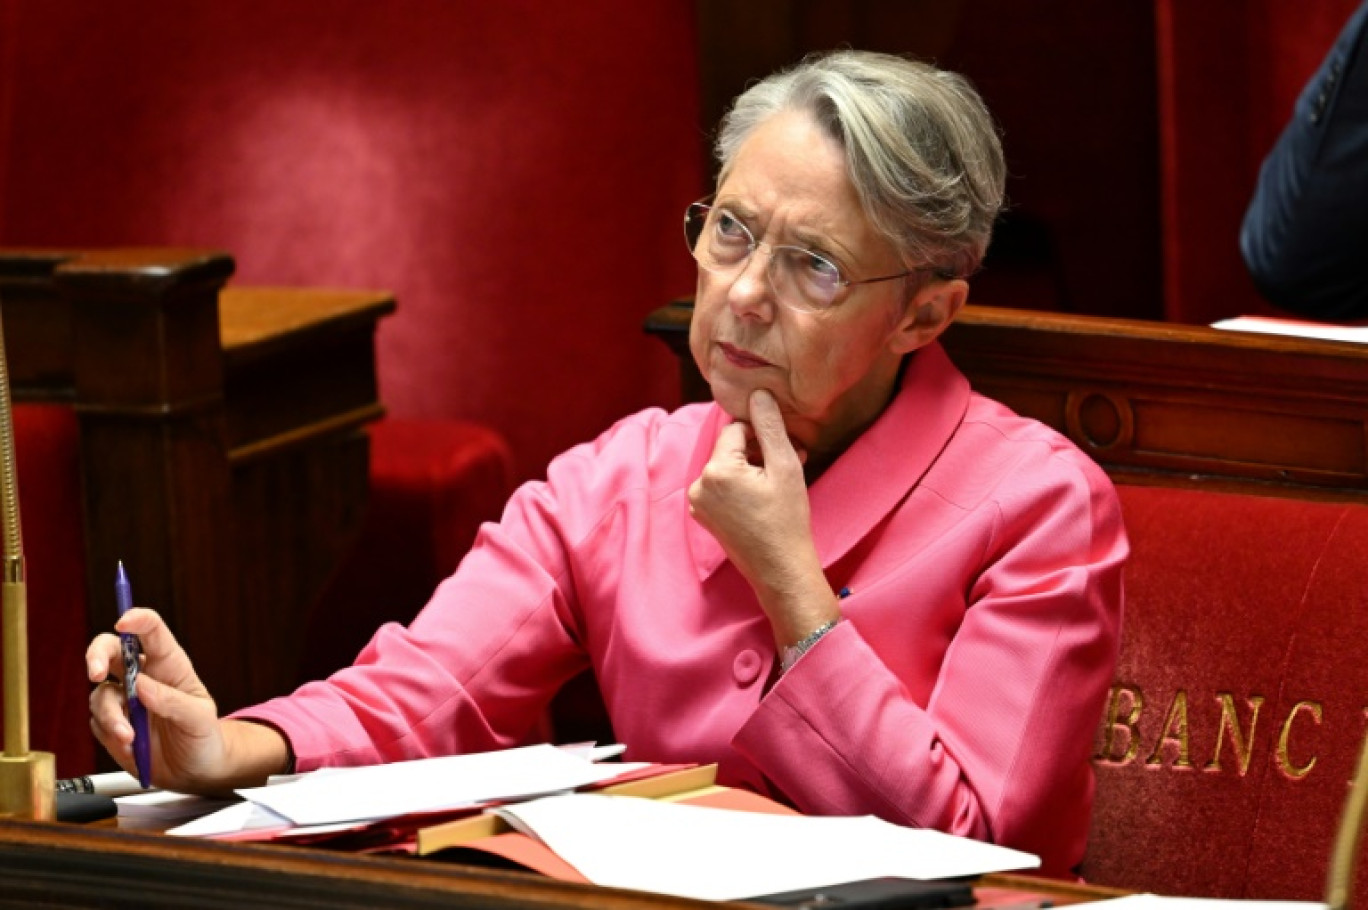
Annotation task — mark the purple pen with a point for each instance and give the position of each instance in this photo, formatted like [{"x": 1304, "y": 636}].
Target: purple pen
[{"x": 137, "y": 712}]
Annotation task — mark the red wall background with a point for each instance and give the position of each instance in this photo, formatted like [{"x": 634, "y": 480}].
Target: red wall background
[{"x": 513, "y": 171}]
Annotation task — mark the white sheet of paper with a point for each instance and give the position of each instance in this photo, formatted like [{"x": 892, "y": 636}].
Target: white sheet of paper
[
  {"x": 243, "y": 816},
  {"x": 1269, "y": 325},
  {"x": 1159, "y": 902},
  {"x": 719, "y": 854},
  {"x": 427, "y": 785},
  {"x": 166, "y": 806}
]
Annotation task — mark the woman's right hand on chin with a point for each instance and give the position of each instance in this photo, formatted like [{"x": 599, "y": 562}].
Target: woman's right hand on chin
[{"x": 189, "y": 751}]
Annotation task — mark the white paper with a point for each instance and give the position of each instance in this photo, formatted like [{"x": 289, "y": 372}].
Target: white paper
[
  {"x": 720, "y": 854},
  {"x": 1267, "y": 325},
  {"x": 427, "y": 785},
  {"x": 243, "y": 816},
  {"x": 165, "y": 806},
  {"x": 1158, "y": 902}
]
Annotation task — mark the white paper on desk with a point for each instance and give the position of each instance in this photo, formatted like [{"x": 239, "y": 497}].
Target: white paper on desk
[
  {"x": 427, "y": 785},
  {"x": 1298, "y": 328},
  {"x": 1158, "y": 902},
  {"x": 241, "y": 816},
  {"x": 166, "y": 806},
  {"x": 721, "y": 854}
]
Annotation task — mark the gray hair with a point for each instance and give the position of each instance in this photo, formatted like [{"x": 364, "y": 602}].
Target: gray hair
[{"x": 922, "y": 150}]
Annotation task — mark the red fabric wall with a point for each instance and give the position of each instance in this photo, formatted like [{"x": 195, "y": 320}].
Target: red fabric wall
[{"x": 513, "y": 171}]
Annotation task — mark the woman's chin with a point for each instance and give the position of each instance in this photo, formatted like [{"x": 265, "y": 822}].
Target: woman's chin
[{"x": 733, "y": 399}]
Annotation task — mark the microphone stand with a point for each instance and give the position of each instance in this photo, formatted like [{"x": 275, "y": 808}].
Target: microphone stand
[
  {"x": 27, "y": 779},
  {"x": 1340, "y": 882}
]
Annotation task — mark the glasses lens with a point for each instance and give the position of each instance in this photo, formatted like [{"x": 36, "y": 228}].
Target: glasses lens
[
  {"x": 695, "y": 217},
  {"x": 804, "y": 279},
  {"x": 717, "y": 239},
  {"x": 720, "y": 242}
]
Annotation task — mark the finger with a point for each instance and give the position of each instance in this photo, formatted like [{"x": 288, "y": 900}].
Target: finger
[
  {"x": 178, "y": 708},
  {"x": 107, "y": 717},
  {"x": 729, "y": 450},
  {"x": 159, "y": 646},
  {"x": 731, "y": 443},
  {"x": 101, "y": 654},
  {"x": 150, "y": 628},
  {"x": 768, "y": 424},
  {"x": 120, "y": 750}
]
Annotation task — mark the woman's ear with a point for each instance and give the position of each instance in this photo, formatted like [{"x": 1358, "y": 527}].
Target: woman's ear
[{"x": 928, "y": 313}]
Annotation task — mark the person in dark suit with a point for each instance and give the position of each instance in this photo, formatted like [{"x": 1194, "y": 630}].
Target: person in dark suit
[{"x": 1305, "y": 234}]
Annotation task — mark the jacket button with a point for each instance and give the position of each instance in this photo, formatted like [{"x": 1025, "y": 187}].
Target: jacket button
[
  {"x": 746, "y": 668},
  {"x": 1318, "y": 108}
]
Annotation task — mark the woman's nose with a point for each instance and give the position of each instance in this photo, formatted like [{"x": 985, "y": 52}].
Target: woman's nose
[{"x": 752, "y": 291}]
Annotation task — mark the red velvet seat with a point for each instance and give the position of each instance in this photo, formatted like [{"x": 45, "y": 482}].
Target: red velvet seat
[{"x": 1238, "y": 709}]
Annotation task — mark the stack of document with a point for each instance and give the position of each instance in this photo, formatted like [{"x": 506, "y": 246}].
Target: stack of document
[
  {"x": 720, "y": 854},
  {"x": 715, "y": 843},
  {"x": 334, "y": 801}
]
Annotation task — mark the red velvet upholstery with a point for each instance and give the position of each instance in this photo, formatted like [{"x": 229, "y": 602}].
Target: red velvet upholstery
[
  {"x": 50, "y": 512},
  {"x": 1232, "y": 601}
]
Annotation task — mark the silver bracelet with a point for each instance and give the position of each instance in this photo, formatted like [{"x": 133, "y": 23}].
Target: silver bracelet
[{"x": 793, "y": 652}]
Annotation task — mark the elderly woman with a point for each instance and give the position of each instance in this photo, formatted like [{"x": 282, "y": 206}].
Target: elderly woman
[{"x": 853, "y": 583}]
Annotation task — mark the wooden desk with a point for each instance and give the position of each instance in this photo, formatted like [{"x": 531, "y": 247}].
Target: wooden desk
[
  {"x": 54, "y": 865},
  {"x": 223, "y": 452}
]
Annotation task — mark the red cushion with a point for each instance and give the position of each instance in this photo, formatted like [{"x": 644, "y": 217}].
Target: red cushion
[
  {"x": 48, "y": 461},
  {"x": 1232, "y": 600}
]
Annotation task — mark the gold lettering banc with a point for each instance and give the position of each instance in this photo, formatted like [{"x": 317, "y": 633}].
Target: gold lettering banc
[{"x": 1236, "y": 724}]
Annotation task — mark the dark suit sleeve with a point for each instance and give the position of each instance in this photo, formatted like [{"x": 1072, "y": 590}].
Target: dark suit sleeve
[{"x": 1305, "y": 234}]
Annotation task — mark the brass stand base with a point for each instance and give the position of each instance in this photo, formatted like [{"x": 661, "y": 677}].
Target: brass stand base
[{"x": 28, "y": 786}]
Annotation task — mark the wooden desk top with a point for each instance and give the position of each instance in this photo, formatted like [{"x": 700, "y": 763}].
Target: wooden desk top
[
  {"x": 299, "y": 364},
  {"x": 256, "y": 320},
  {"x": 59, "y": 865}
]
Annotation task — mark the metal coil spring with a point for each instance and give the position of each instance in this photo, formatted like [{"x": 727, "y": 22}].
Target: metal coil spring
[{"x": 9, "y": 483}]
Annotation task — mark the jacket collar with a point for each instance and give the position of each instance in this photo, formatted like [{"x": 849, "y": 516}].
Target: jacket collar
[{"x": 878, "y": 470}]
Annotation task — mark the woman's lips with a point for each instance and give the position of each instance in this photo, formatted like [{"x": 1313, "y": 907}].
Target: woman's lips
[{"x": 743, "y": 359}]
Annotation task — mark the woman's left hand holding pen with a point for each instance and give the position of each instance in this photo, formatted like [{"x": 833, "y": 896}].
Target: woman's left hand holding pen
[{"x": 193, "y": 751}]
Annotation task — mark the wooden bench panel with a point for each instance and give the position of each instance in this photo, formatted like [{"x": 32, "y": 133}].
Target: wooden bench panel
[{"x": 223, "y": 451}]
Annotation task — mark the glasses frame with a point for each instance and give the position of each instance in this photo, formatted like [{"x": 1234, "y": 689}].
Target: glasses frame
[{"x": 845, "y": 284}]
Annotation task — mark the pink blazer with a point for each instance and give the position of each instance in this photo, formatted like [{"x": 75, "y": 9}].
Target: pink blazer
[{"x": 983, "y": 557}]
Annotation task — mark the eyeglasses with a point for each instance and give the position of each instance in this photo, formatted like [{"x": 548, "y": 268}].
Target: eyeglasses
[{"x": 802, "y": 280}]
